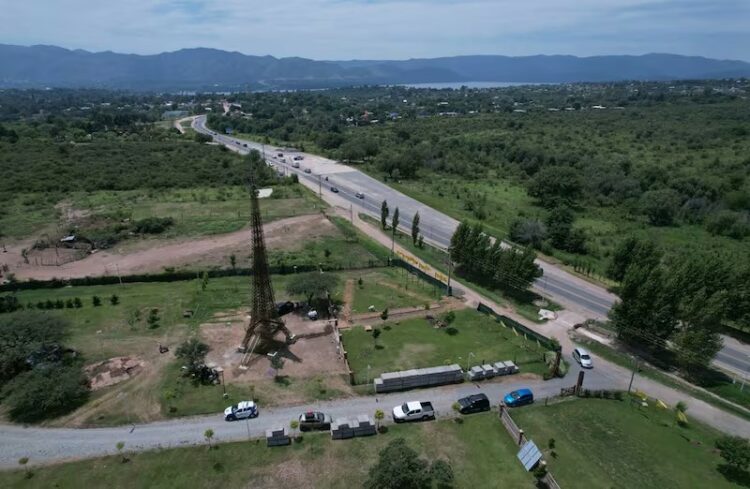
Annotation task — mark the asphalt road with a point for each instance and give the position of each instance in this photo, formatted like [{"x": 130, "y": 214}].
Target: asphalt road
[
  {"x": 568, "y": 290},
  {"x": 43, "y": 445}
]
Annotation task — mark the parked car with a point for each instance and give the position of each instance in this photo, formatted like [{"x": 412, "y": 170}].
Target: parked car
[
  {"x": 334, "y": 190},
  {"x": 307, "y": 170},
  {"x": 241, "y": 410},
  {"x": 583, "y": 358},
  {"x": 314, "y": 420},
  {"x": 521, "y": 397},
  {"x": 474, "y": 403},
  {"x": 360, "y": 195},
  {"x": 413, "y": 411}
]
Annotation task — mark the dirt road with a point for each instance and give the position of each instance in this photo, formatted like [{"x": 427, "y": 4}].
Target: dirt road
[{"x": 160, "y": 254}]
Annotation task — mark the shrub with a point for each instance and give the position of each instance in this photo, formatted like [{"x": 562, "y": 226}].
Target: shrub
[
  {"x": 152, "y": 225},
  {"x": 96, "y": 301},
  {"x": 451, "y": 331},
  {"x": 45, "y": 392}
]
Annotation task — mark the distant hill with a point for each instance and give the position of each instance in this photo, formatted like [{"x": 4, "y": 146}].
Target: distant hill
[{"x": 213, "y": 69}]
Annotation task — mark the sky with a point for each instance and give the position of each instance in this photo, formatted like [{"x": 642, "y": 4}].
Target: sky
[{"x": 385, "y": 29}]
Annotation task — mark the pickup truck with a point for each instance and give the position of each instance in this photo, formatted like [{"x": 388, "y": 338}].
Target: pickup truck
[{"x": 413, "y": 411}]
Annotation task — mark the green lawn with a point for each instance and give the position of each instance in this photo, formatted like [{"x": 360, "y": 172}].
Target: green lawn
[
  {"x": 415, "y": 343},
  {"x": 479, "y": 451},
  {"x": 607, "y": 443},
  {"x": 392, "y": 288}
]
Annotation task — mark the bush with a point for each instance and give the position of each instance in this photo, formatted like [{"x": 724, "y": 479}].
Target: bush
[
  {"x": 45, "y": 392},
  {"x": 451, "y": 331},
  {"x": 152, "y": 225}
]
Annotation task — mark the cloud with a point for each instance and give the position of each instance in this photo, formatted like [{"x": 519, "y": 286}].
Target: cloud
[{"x": 387, "y": 29}]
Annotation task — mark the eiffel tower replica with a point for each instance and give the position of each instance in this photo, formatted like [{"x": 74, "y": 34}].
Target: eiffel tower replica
[{"x": 266, "y": 332}]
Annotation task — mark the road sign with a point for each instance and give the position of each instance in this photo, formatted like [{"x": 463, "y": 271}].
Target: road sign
[{"x": 529, "y": 455}]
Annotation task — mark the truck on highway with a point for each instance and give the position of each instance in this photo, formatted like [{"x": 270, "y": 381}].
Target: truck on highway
[
  {"x": 413, "y": 411},
  {"x": 295, "y": 164}
]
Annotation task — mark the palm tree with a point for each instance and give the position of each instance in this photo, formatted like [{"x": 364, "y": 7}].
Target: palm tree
[
  {"x": 379, "y": 415},
  {"x": 209, "y": 434}
]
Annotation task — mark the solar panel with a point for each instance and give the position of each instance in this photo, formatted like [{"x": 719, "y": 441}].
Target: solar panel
[{"x": 529, "y": 455}]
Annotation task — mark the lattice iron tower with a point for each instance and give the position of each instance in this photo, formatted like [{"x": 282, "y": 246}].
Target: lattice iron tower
[{"x": 265, "y": 324}]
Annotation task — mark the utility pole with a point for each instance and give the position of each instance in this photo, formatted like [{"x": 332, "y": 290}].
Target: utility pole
[
  {"x": 632, "y": 376},
  {"x": 450, "y": 270},
  {"x": 320, "y": 187}
]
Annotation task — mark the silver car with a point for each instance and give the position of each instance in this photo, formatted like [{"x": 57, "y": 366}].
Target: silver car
[{"x": 583, "y": 358}]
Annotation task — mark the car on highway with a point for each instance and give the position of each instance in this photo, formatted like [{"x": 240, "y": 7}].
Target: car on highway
[
  {"x": 241, "y": 410},
  {"x": 280, "y": 155},
  {"x": 583, "y": 358},
  {"x": 475, "y": 403},
  {"x": 521, "y": 397},
  {"x": 314, "y": 420},
  {"x": 299, "y": 158},
  {"x": 334, "y": 190},
  {"x": 244, "y": 145},
  {"x": 360, "y": 195},
  {"x": 307, "y": 170},
  {"x": 413, "y": 411}
]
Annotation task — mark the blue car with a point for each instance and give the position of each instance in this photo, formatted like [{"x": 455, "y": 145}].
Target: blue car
[{"x": 520, "y": 397}]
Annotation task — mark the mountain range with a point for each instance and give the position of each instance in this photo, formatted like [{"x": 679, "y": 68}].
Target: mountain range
[{"x": 213, "y": 69}]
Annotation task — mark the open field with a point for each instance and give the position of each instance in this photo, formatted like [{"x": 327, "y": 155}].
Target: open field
[
  {"x": 479, "y": 450},
  {"x": 607, "y": 443},
  {"x": 157, "y": 389},
  {"x": 415, "y": 343},
  {"x": 392, "y": 288}
]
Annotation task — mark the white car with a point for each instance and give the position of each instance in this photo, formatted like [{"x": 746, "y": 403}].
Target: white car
[
  {"x": 583, "y": 358},
  {"x": 241, "y": 410}
]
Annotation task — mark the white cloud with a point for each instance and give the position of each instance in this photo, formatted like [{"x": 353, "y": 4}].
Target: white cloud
[{"x": 343, "y": 29}]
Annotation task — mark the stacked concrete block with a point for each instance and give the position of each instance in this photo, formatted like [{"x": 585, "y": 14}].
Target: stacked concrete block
[
  {"x": 476, "y": 373},
  {"x": 421, "y": 377},
  {"x": 489, "y": 371},
  {"x": 277, "y": 437},
  {"x": 343, "y": 429}
]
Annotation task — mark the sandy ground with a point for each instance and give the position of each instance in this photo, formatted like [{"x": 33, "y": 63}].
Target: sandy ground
[
  {"x": 153, "y": 256},
  {"x": 314, "y": 353}
]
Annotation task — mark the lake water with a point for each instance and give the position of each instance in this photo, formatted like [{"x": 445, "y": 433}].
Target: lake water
[{"x": 457, "y": 85}]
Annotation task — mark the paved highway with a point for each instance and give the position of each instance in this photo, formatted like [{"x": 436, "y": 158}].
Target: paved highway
[{"x": 568, "y": 290}]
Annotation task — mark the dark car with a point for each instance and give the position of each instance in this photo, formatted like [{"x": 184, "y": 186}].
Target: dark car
[
  {"x": 283, "y": 308},
  {"x": 475, "y": 403},
  {"x": 360, "y": 195},
  {"x": 334, "y": 190},
  {"x": 313, "y": 420},
  {"x": 521, "y": 397},
  {"x": 307, "y": 170}
]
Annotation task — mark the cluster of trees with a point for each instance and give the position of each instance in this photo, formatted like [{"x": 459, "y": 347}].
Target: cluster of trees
[
  {"x": 557, "y": 230},
  {"x": 488, "y": 261},
  {"x": 10, "y": 303},
  {"x": 674, "y": 306},
  {"x": 39, "y": 377},
  {"x": 400, "y": 466}
]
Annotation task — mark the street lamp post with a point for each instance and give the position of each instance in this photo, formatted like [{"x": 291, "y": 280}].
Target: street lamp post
[
  {"x": 468, "y": 360},
  {"x": 632, "y": 375}
]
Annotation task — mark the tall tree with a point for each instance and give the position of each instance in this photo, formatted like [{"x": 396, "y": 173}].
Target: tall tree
[
  {"x": 415, "y": 229},
  {"x": 384, "y": 211},
  {"x": 399, "y": 466},
  {"x": 395, "y": 221},
  {"x": 632, "y": 250}
]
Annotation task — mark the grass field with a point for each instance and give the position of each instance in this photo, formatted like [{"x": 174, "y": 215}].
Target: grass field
[
  {"x": 415, "y": 343},
  {"x": 606, "y": 443},
  {"x": 196, "y": 211},
  {"x": 392, "y": 288},
  {"x": 479, "y": 451}
]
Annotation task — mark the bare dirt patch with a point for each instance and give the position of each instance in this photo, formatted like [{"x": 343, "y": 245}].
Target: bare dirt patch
[
  {"x": 152, "y": 256},
  {"x": 315, "y": 352},
  {"x": 113, "y": 371}
]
